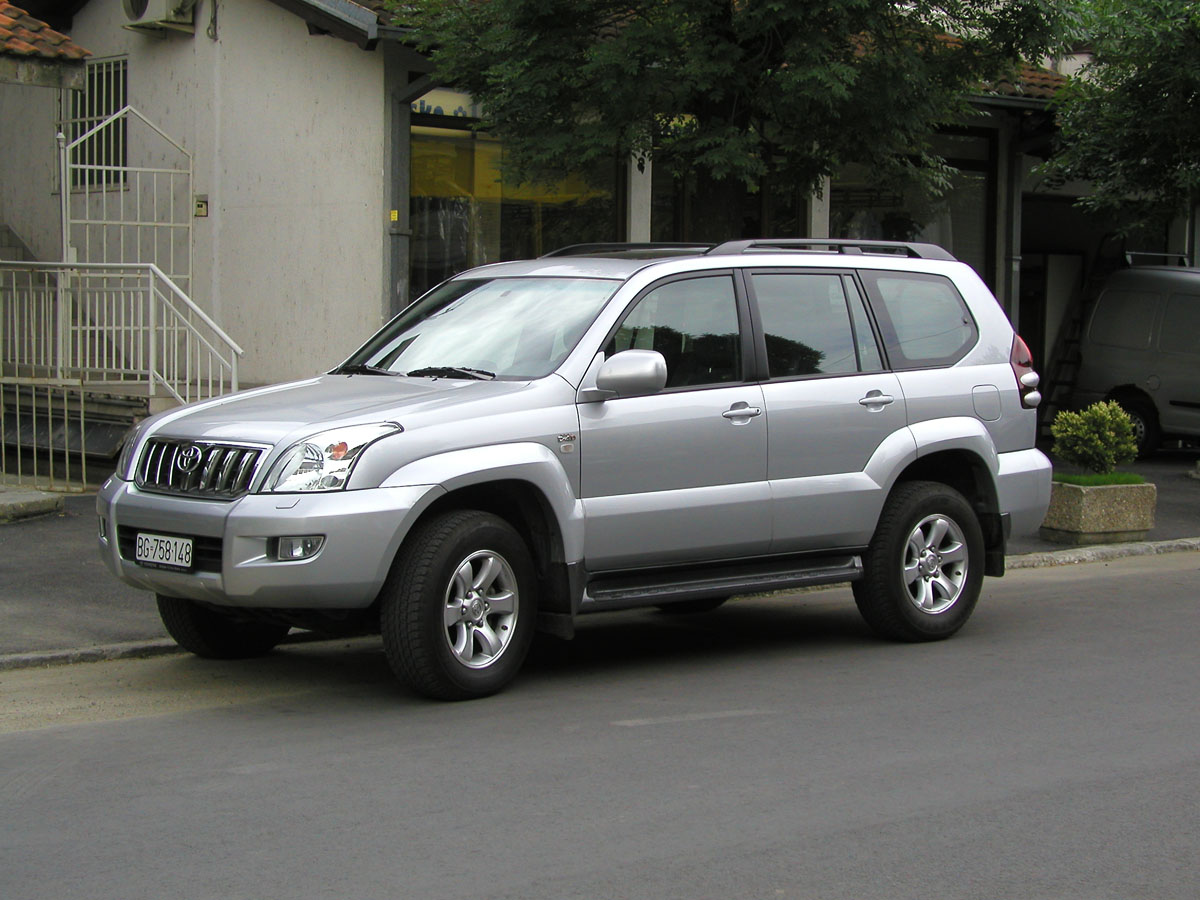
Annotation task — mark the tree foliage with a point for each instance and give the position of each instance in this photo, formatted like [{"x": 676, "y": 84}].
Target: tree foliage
[
  {"x": 746, "y": 90},
  {"x": 1130, "y": 124}
]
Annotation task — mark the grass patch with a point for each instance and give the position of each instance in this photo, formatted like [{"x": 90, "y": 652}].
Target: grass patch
[{"x": 1095, "y": 480}]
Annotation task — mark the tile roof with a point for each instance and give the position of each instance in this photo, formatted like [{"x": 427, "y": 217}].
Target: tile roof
[
  {"x": 1032, "y": 81},
  {"x": 23, "y": 35}
]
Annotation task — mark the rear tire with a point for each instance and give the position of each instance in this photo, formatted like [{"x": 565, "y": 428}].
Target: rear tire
[
  {"x": 459, "y": 607},
  {"x": 924, "y": 567},
  {"x": 215, "y": 635}
]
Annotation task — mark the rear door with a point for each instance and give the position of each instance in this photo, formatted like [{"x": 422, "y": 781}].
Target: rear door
[
  {"x": 830, "y": 402},
  {"x": 1178, "y": 365}
]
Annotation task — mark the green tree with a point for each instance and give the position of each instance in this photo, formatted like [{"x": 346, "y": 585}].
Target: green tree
[
  {"x": 1130, "y": 123},
  {"x": 778, "y": 92}
]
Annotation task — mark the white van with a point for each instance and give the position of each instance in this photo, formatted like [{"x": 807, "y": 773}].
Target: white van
[{"x": 1141, "y": 347}]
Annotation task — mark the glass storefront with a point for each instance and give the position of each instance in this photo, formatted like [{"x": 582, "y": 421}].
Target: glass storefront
[
  {"x": 961, "y": 220},
  {"x": 464, "y": 213}
]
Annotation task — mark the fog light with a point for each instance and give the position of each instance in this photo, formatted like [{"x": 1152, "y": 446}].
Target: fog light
[
  {"x": 103, "y": 529},
  {"x": 301, "y": 547}
]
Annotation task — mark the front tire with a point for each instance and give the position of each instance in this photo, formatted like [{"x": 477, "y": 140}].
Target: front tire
[
  {"x": 211, "y": 634},
  {"x": 458, "y": 609},
  {"x": 924, "y": 567}
]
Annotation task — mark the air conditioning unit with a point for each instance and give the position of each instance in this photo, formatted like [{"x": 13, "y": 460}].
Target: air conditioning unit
[{"x": 159, "y": 16}]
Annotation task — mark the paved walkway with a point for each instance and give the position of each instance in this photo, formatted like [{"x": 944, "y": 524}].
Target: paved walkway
[{"x": 58, "y": 603}]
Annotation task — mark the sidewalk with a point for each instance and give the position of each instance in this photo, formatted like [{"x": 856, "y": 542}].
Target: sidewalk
[{"x": 58, "y": 603}]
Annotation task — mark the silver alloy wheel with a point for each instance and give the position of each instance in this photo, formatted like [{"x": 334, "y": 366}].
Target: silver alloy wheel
[
  {"x": 935, "y": 564},
  {"x": 480, "y": 609}
]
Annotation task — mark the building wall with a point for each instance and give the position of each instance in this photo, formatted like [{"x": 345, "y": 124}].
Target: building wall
[{"x": 286, "y": 134}]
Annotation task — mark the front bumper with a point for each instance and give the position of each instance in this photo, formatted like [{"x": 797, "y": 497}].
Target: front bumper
[{"x": 362, "y": 530}]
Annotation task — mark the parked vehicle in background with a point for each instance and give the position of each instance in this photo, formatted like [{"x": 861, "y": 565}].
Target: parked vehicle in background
[
  {"x": 1141, "y": 347},
  {"x": 605, "y": 428}
]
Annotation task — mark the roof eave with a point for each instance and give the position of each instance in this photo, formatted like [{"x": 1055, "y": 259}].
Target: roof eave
[
  {"x": 340, "y": 18},
  {"x": 32, "y": 70}
]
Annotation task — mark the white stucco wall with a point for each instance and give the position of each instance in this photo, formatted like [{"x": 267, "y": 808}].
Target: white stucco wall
[{"x": 286, "y": 135}]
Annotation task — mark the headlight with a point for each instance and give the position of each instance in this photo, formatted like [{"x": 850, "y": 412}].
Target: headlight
[
  {"x": 324, "y": 461},
  {"x": 126, "y": 462}
]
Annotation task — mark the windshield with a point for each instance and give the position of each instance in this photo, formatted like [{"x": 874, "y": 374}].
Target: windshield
[{"x": 516, "y": 328}]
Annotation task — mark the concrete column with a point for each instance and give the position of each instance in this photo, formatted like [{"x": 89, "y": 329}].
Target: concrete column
[
  {"x": 817, "y": 218},
  {"x": 637, "y": 212},
  {"x": 397, "y": 229}
]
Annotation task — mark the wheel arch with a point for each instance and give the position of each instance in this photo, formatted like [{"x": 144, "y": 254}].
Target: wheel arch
[
  {"x": 525, "y": 485},
  {"x": 968, "y": 462}
]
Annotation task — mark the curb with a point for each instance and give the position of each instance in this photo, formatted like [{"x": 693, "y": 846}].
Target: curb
[
  {"x": 25, "y": 504},
  {"x": 130, "y": 650},
  {"x": 1100, "y": 552},
  {"x": 166, "y": 647}
]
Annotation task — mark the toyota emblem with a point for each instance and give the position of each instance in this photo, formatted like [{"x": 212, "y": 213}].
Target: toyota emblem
[{"x": 188, "y": 458}]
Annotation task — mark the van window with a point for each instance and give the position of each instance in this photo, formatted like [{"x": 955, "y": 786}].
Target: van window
[
  {"x": 1180, "y": 332},
  {"x": 1124, "y": 319}
]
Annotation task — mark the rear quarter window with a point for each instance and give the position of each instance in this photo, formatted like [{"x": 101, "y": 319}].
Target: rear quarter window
[{"x": 924, "y": 320}]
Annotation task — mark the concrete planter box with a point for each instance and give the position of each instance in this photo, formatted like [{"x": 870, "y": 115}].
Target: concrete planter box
[{"x": 1104, "y": 514}]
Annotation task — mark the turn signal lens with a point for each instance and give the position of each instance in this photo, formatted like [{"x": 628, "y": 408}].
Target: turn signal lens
[{"x": 1021, "y": 361}]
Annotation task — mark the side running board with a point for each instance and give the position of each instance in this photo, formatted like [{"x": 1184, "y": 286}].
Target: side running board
[{"x": 632, "y": 590}]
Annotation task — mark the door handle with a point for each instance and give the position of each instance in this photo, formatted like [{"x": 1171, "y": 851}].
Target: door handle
[
  {"x": 876, "y": 398},
  {"x": 743, "y": 411}
]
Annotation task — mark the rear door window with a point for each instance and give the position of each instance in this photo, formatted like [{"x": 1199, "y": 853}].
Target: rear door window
[
  {"x": 1124, "y": 319},
  {"x": 812, "y": 325},
  {"x": 1180, "y": 331},
  {"x": 924, "y": 320}
]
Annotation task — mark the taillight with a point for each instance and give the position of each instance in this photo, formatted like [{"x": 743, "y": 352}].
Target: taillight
[{"x": 1021, "y": 361}]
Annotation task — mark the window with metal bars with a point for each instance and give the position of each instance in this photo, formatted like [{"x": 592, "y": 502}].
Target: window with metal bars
[{"x": 101, "y": 160}]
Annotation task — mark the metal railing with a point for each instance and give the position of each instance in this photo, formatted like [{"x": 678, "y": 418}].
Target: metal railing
[
  {"x": 112, "y": 323},
  {"x": 42, "y": 434}
]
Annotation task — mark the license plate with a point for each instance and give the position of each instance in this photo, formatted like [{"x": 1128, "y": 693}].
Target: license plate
[{"x": 164, "y": 551}]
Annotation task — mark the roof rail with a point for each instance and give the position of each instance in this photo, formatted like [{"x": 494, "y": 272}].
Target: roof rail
[
  {"x": 1137, "y": 258},
  {"x": 837, "y": 245},
  {"x": 648, "y": 248}
]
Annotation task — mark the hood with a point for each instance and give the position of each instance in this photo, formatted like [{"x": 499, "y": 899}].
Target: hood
[{"x": 295, "y": 410}]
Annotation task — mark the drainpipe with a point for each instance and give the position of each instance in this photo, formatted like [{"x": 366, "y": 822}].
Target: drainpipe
[{"x": 64, "y": 207}]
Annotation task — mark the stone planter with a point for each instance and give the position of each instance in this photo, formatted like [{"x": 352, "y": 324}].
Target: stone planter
[{"x": 1104, "y": 514}]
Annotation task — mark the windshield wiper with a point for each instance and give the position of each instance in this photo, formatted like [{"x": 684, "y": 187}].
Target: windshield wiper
[
  {"x": 361, "y": 369},
  {"x": 452, "y": 372}
]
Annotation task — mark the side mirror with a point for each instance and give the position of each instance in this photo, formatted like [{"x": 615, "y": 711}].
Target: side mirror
[{"x": 631, "y": 373}]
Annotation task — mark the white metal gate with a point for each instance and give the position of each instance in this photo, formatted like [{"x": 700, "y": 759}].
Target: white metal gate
[{"x": 128, "y": 196}]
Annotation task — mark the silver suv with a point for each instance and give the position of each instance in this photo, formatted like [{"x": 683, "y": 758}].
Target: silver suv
[{"x": 605, "y": 428}]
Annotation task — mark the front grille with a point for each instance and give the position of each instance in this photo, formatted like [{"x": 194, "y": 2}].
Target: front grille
[
  {"x": 206, "y": 551},
  {"x": 197, "y": 468}
]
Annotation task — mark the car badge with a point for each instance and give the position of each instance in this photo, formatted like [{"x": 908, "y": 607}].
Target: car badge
[{"x": 188, "y": 458}]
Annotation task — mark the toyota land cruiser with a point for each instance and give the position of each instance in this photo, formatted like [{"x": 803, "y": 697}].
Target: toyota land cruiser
[{"x": 603, "y": 428}]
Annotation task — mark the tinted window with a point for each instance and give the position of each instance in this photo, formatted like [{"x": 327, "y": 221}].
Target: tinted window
[
  {"x": 807, "y": 324},
  {"x": 1181, "y": 325},
  {"x": 693, "y": 323},
  {"x": 1124, "y": 319},
  {"x": 924, "y": 320}
]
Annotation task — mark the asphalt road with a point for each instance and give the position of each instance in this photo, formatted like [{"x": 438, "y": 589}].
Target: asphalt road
[{"x": 770, "y": 749}]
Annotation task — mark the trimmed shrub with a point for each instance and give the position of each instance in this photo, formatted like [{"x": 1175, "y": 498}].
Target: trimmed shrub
[{"x": 1098, "y": 438}]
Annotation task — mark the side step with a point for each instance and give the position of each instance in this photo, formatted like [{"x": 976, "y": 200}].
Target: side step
[{"x": 632, "y": 590}]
